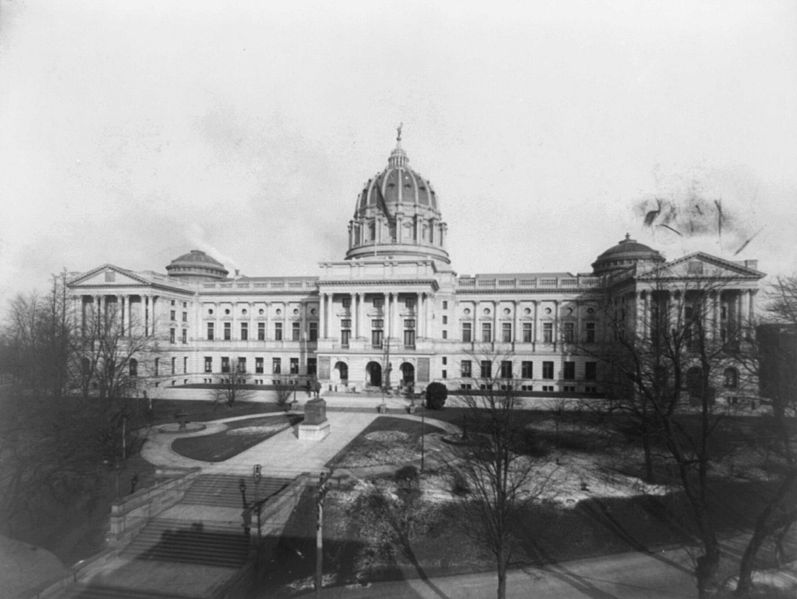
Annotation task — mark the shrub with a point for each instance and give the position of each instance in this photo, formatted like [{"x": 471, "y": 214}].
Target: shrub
[{"x": 436, "y": 394}]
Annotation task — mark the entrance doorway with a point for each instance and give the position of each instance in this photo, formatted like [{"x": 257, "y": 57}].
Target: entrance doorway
[
  {"x": 341, "y": 372},
  {"x": 407, "y": 373},
  {"x": 374, "y": 373}
]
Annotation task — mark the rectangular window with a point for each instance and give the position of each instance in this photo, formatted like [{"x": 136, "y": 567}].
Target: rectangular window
[
  {"x": 185, "y": 316},
  {"x": 244, "y": 331},
  {"x": 568, "y": 335},
  {"x": 276, "y": 366},
  {"x": 312, "y": 367},
  {"x": 378, "y": 302},
  {"x": 227, "y": 331},
  {"x": 589, "y": 332},
  {"x": 277, "y": 331},
  {"x": 258, "y": 365},
  {"x": 547, "y": 370},
  {"x": 487, "y": 332},
  {"x": 313, "y": 333},
  {"x": 444, "y": 374},
  {"x": 174, "y": 361},
  {"x": 345, "y": 323},
  {"x": 409, "y": 303},
  {"x": 296, "y": 331},
  {"x": 294, "y": 365},
  {"x": 547, "y": 332},
  {"x": 467, "y": 332},
  {"x": 345, "y": 334},
  {"x": 208, "y": 364},
  {"x": 261, "y": 331},
  {"x": 377, "y": 332},
  {"x": 465, "y": 368},
  {"x": 409, "y": 338},
  {"x": 157, "y": 366},
  {"x": 225, "y": 364},
  {"x": 445, "y": 334},
  {"x": 506, "y": 369},
  {"x": 173, "y": 315},
  {"x": 486, "y": 369},
  {"x": 590, "y": 371},
  {"x": 445, "y": 319},
  {"x": 445, "y": 360},
  {"x": 171, "y": 336},
  {"x": 241, "y": 365},
  {"x": 569, "y": 371},
  {"x": 526, "y": 332},
  {"x": 506, "y": 332},
  {"x": 527, "y": 370},
  {"x": 185, "y": 365},
  {"x": 346, "y": 302},
  {"x": 211, "y": 326},
  {"x": 185, "y": 335},
  {"x": 445, "y": 305}
]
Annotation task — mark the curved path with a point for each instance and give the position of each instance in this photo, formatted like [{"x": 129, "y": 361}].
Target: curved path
[{"x": 282, "y": 453}]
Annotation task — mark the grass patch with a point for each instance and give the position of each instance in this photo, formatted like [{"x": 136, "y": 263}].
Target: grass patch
[
  {"x": 239, "y": 436},
  {"x": 387, "y": 441}
]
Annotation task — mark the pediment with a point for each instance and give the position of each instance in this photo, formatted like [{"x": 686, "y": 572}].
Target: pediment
[
  {"x": 109, "y": 275},
  {"x": 701, "y": 266}
]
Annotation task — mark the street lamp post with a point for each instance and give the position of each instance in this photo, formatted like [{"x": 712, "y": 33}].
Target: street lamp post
[{"x": 319, "y": 535}]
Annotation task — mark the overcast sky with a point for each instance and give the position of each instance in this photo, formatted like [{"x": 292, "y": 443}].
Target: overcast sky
[{"x": 132, "y": 132}]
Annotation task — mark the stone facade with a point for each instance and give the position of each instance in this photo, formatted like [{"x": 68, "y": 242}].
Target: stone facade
[{"x": 393, "y": 312}]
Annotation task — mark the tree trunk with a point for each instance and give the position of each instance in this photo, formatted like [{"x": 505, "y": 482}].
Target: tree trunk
[
  {"x": 648, "y": 450},
  {"x": 706, "y": 570},
  {"x": 501, "y": 593}
]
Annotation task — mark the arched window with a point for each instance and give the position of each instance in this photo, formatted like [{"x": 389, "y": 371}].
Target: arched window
[
  {"x": 133, "y": 367},
  {"x": 731, "y": 376}
]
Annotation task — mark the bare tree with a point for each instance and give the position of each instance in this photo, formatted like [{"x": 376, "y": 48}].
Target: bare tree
[
  {"x": 233, "y": 385},
  {"x": 495, "y": 469},
  {"x": 670, "y": 360},
  {"x": 774, "y": 363}
]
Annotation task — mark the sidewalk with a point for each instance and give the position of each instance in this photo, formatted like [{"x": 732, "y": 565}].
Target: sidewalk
[{"x": 667, "y": 575}]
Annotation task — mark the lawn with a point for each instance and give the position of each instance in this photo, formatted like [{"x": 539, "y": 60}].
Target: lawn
[
  {"x": 239, "y": 436},
  {"x": 595, "y": 507}
]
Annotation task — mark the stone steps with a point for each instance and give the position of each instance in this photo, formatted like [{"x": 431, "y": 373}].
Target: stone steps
[
  {"x": 180, "y": 541},
  {"x": 222, "y": 490}
]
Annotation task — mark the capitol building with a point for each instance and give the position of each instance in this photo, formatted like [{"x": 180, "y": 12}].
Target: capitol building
[{"x": 392, "y": 312}]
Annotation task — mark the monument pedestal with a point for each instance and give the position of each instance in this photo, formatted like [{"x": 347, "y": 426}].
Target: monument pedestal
[
  {"x": 315, "y": 426},
  {"x": 313, "y": 432}
]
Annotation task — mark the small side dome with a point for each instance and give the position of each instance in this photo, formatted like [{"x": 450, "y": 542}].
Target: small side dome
[
  {"x": 196, "y": 265},
  {"x": 624, "y": 255}
]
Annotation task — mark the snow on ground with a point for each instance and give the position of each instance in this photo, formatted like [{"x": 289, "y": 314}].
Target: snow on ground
[{"x": 259, "y": 429}]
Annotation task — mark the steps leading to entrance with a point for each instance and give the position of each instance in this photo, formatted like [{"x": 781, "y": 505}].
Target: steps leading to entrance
[
  {"x": 99, "y": 591},
  {"x": 222, "y": 490},
  {"x": 190, "y": 543}
]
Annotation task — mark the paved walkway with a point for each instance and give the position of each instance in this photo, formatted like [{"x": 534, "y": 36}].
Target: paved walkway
[{"x": 284, "y": 453}]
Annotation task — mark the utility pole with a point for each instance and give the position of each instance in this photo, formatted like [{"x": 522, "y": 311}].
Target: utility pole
[{"x": 319, "y": 535}]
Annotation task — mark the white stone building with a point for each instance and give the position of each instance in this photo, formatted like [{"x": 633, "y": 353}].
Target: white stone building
[{"x": 393, "y": 311}]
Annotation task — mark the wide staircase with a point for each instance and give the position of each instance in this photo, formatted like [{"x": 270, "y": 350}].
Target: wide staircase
[{"x": 191, "y": 550}]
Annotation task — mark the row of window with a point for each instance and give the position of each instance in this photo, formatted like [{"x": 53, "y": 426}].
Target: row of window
[
  {"x": 527, "y": 370},
  {"x": 278, "y": 331},
  {"x": 568, "y": 331},
  {"x": 276, "y": 365}
]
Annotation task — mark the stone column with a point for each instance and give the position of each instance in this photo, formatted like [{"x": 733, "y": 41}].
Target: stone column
[
  {"x": 386, "y": 315},
  {"x": 714, "y": 316},
  {"x": 555, "y": 324},
  {"x": 322, "y": 315},
  {"x": 355, "y": 301},
  {"x": 418, "y": 322}
]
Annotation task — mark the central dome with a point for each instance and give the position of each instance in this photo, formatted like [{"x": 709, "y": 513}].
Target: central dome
[{"x": 397, "y": 215}]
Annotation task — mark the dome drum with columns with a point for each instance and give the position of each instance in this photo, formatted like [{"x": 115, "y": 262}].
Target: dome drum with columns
[
  {"x": 397, "y": 215},
  {"x": 393, "y": 312}
]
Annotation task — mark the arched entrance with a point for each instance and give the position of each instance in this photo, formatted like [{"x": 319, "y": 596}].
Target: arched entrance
[
  {"x": 407, "y": 373},
  {"x": 374, "y": 373},
  {"x": 341, "y": 372}
]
